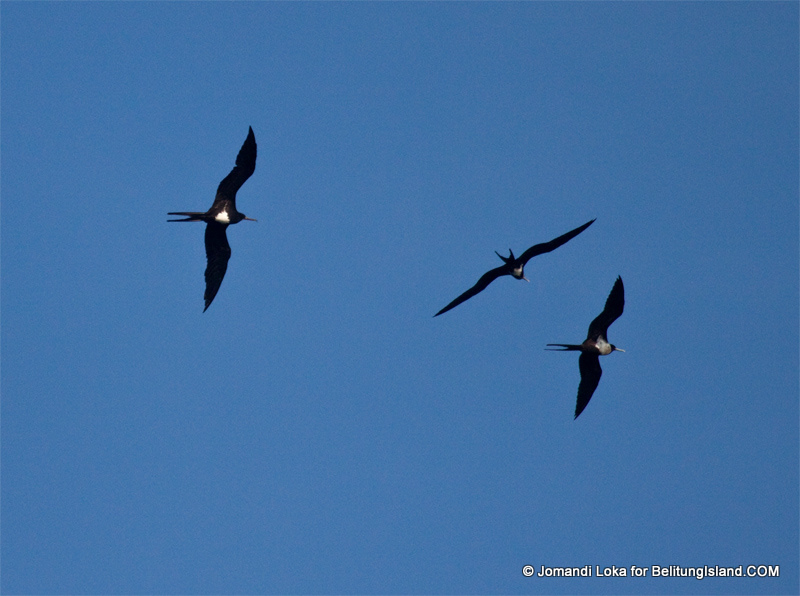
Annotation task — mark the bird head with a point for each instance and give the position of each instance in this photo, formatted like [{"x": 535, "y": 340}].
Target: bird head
[
  {"x": 237, "y": 217},
  {"x": 519, "y": 272}
]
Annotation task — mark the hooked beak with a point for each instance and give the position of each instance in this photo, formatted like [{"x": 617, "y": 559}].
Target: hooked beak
[
  {"x": 526, "y": 279},
  {"x": 250, "y": 219},
  {"x": 618, "y": 350}
]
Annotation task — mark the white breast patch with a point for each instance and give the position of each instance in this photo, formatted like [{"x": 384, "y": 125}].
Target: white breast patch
[
  {"x": 222, "y": 217},
  {"x": 603, "y": 346}
]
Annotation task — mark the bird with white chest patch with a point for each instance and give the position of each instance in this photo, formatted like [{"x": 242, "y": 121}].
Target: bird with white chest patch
[
  {"x": 596, "y": 345},
  {"x": 222, "y": 214},
  {"x": 514, "y": 266}
]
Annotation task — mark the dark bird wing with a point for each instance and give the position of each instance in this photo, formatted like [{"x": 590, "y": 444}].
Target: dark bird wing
[
  {"x": 484, "y": 281},
  {"x": 245, "y": 166},
  {"x": 591, "y": 372},
  {"x": 540, "y": 249},
  {"x": 615, "y": 303},
  {"x": 218, "y": 251}
]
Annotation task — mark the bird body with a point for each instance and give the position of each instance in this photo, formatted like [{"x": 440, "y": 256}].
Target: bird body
[
  {"x": 222, "y": 214},
  {"x": 599, "y": 346},
  {"x": 514, "y": 266},
  {"x": 595, "y": 345}
]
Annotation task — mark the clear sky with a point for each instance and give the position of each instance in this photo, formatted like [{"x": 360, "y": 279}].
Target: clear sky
[{"x": 317, "y": 430}]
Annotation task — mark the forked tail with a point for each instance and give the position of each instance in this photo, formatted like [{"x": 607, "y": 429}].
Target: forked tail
[
  {"x": 564, "y": 347},
  {"x": 191, "y": 215},
  {"x": 509, "y": 259}
]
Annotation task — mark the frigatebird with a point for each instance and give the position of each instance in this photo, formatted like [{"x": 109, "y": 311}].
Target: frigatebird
[
  {"x": 595, "y": 345},
  {"x": 223, "y": 213},
  {"x": 514, "y": 266}
]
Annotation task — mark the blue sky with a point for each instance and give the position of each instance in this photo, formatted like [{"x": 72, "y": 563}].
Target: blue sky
[{"x": 317, "y": 430}]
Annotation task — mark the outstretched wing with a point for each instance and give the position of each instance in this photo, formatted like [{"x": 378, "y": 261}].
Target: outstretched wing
[
  {"x": 218, "y": 251},
  {"x": 484, "y": 281},
  {"x": 245, "y": 166},
  {"x": 615, "y": 303},
  {"x": 540, "y": 249},
  {"x": 589, "y": 365}
]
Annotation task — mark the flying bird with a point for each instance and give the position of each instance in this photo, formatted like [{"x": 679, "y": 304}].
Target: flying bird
[
  {"x": 596, "y": 345},
  {"x": 223, "y": 213},
  {"x": 514, "y": 266}
]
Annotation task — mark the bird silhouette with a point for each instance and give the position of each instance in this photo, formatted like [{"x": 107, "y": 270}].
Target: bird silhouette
[
  {"x": 514, "y": 266},
  {"x": 595, "y": 345},
  {"x": 222, "y": 214}
]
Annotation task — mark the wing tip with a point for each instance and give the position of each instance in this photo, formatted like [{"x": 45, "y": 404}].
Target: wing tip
[{"x": 579, "y": 408}]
